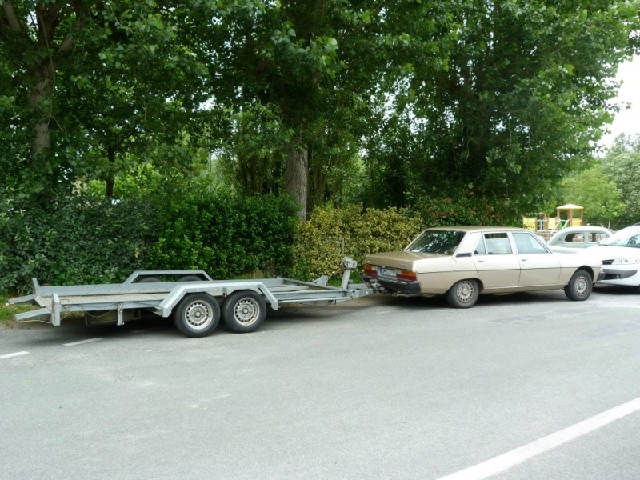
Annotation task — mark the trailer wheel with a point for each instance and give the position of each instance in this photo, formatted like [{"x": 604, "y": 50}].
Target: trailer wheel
[
  {"x": 244, "y": 311},
  {"x": 197, "y": 315}
]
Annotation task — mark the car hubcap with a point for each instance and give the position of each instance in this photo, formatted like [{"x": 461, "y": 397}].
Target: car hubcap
[
  {"x": 465, "y": 291},
  {"x": 581, "y": 286}
]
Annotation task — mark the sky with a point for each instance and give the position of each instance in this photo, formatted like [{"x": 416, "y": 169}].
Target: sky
[{"x": 627, "y": 121}]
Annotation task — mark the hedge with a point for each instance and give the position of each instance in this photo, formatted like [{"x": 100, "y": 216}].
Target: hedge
[
  {"x": 330, "y": 234},
  {"x": 83, "y": 239}
]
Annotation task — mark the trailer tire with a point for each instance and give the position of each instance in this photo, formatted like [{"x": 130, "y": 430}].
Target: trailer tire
[
  {"x": 197, "y": 315},
  {"x": 149, "y": 280},
  {"x": 244, "y": 311},
  {"x": 189, "y": 278}
]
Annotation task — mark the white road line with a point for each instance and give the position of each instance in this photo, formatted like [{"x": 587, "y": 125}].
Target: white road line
[
  {"x": 89, "y": 340},
  {"x": 519, "y": 455},
  {"x": 11, "y": 355}
]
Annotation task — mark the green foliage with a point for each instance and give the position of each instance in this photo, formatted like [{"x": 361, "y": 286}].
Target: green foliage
[
  {"x": 622, "y": 166},
  {"x": 225, "y": 234},
  {"x": 86, "y": 239},
  {"x": 78, "y": 239},
  {"x": 8, "y": 311},
  {"x": 389, "y": 101},
  {"x": 597, "y": 193},
  {"x": 330, "y": 234},
  {"x": 515, "y": 106},
  {"x": 466, "y": 208}
]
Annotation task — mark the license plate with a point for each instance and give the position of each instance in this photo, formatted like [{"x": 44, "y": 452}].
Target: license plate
[{"x": 388, "y": 272}]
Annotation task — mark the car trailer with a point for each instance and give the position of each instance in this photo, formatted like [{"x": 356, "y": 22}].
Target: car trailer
[{"x": 194, "y": 300}]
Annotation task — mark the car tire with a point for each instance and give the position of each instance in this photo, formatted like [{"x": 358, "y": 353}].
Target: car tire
[
  {"x": 579, "y": 287},
  {"x": 197, "y": 315},
  {"x": 244, "y": 311},
  {"x": 463, "y": 294}
]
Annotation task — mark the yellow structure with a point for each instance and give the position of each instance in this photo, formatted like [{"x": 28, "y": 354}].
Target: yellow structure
[
  {"x": 568, "y": 215},
  {"x": 530, "y": 223}
]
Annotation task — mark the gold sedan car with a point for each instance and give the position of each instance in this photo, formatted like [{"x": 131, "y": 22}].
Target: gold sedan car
[{"x": 464, "y": 262}]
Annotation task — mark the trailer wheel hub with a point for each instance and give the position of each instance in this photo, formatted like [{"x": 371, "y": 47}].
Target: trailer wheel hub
[
  {"x": 198, "y": 314},
  {"x": 247, "y": 311}
]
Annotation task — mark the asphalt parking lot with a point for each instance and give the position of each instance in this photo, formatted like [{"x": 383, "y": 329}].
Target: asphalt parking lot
[{"x": 528, "y": 386}]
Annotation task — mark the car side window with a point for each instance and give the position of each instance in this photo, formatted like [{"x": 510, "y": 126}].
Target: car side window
[
  {"x": 578, "y": 238},
  {"x": 480, "y": 249},
  {"x": 497, "y": 244},
  {"x": 527, "y": 243}
]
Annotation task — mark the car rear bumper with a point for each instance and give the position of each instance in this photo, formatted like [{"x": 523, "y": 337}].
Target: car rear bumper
[{"x": 397, "y": 286}]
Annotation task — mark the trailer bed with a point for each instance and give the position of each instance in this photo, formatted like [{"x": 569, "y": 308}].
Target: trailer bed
[{"x": 145, "y": 290}]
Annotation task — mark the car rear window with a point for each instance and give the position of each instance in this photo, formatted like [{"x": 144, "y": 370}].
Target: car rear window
[{"x": 437, "y": 241}]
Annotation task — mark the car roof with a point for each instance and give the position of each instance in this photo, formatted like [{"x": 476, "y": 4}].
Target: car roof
[
  {"x": 477, "y": 228},
  {"x": 584, "y": 228}
]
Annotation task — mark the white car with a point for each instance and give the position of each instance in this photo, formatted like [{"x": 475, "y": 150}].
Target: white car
[
  {"x": 620, "y": 255},
  {"x": 574, "y": 239}
]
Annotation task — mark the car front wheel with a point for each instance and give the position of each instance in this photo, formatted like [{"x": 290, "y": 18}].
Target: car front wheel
[
  {"x": 579, "y": 287},
  {"x": 463, "y": 294}
]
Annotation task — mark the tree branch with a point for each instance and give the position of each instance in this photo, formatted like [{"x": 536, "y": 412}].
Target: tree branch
[
  {"x": 12, "y": 18},
  {"x": 81, "y": 16}
]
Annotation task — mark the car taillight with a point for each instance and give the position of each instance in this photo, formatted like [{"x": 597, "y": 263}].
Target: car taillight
[
  {"x": 370, "y": 270},
  {"x": 407, "y": 276}
]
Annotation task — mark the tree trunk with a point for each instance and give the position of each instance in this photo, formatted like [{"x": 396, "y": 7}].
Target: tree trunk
[
  {"x": 296, "y": 176},
  {"x": 111, "y": 175},
  {"x": 40, "y": 101}
]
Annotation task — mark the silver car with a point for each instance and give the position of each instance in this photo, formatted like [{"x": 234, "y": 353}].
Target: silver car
[
  {"x": 463, "y": 262},
  {"x": 572, "y": 239}
]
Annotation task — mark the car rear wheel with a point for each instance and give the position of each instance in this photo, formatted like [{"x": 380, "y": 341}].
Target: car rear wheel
[
  {"x": 463, "y": 294},
  {"x": 579, "y": 287}
]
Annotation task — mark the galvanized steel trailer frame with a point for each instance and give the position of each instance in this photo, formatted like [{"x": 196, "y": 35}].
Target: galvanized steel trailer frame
[{"x": 162, "y": 297}]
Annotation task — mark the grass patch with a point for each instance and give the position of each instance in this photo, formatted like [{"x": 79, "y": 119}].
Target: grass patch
[{"x": 8, "y": 311}]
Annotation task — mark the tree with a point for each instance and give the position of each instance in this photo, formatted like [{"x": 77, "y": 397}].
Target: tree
[
  {"x": 622, "y": 166},
  {"x": 521, "y": 97},
  {"x": 138, "y": 87},
  {"x": 299, "y": 64},
  {"x": 110, "y": 79},
  {"x": 597, "y": 193},
  {"x": 37, "y": 39}
]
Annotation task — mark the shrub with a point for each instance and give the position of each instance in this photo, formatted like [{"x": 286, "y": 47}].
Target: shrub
[
  {"x": 330, "y": 234},
  {"x": 86, "y": 239},
  {"x": 465, "y": 208},
  {"x": 225, "y": 234},
  {"x": 79, "y": 239}
]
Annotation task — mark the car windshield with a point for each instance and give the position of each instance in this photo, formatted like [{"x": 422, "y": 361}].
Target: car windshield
[
  {"x": 627, "y": 237},
  {"x": 437, "y": 241}
]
